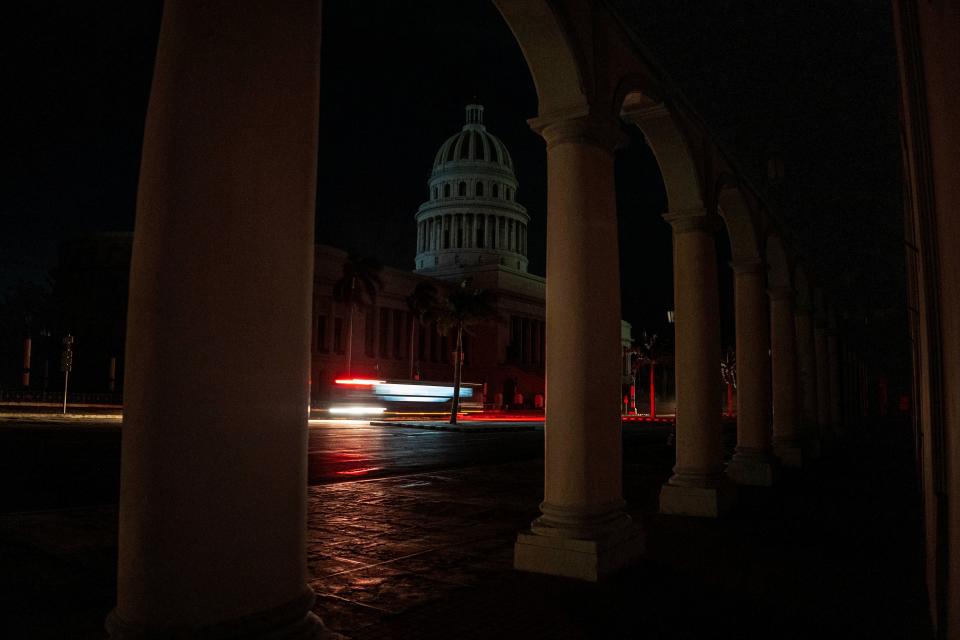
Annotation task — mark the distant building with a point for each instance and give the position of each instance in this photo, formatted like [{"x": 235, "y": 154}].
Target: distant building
[{"x": 471, "y": 227}]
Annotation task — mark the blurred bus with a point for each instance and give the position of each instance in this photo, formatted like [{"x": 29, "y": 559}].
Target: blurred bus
[{"x": 368, "y": 397}]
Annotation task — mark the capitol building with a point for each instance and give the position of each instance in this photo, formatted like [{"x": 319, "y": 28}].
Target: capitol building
[
  {"x": 471, "y": 227},
  {"x": 472, "y": 217}
]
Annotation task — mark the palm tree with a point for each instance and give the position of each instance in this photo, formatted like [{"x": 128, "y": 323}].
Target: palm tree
[
  {"x": 459, "y": 310},
  {"x": 358, "y": 284},
  {"x": 422, "y": 304}
]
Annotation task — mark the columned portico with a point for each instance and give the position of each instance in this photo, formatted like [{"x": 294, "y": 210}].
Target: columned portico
[
  {"x": 752, "y": 461},
  {"x": 807, "y": 368},
  {"x": 583, "y": 531},
  {"x": 783, "y": 360},
  {"x": 213, "y": 480},
  {"x": 698, "y": 486}
]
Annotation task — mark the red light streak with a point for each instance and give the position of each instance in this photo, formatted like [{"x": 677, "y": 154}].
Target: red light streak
[
  {"x": 358, "y": 472},
  {"x": 358, "y": 382}
]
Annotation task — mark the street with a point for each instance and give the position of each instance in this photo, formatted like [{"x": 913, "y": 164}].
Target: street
[
  {"x": 57, "y": 463},
  {"x": 342, "y": 450}
]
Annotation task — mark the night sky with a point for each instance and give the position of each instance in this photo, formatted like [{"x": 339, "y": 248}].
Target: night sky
[
  {"x": 812, "y": 82},
  {"x": 394, "y": 83}
]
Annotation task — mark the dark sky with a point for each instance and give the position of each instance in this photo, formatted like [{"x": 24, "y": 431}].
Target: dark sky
[
  {"x": 76, "y": 78},
  {"x": 394, "y": 82},
  {"x": 811, "y": 81}
]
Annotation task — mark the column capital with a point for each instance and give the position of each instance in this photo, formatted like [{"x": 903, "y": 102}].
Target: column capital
[
  {"x": 747, "y": 265},
  {"x": 780, "y": 293},
  {"x": 692, "y": 220},
  {"x": 590, "y": 129}
]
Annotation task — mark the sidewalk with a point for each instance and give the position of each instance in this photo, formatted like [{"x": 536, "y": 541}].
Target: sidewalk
[{"x": 832, "y": 552}]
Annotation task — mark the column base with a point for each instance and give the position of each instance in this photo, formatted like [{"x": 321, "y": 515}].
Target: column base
[
  {"x": 710, "y": 501},
  {"x": 291, "y": 621},
  {"x": 789, "y": 455},
  {"x": 597, "y": 546},
  {"x": 754, "y": 470}
]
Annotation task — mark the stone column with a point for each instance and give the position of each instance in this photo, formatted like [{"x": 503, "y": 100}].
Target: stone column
[
  {"x": 835, "y": 365},
  {"x": 698, "y": 486},
  {"x": 212, "y": 520},
  {"x": 783, "y": 360},
  {"x": 823, "y": 374},
  {"x": 583, "y": 531},
  {"x": 751, "y": 464},
  {"x": 807, "y": 367}
]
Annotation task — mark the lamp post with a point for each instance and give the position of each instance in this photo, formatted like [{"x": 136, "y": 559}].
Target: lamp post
[{"x": 66, "y": 364}]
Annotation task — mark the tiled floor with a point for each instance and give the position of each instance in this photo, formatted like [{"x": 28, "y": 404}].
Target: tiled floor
[{"x": 834, "y": 551}]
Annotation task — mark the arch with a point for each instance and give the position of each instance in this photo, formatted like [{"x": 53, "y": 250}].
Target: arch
[
  {"x": 554, "y": 62},
  {"x": 660, "y": 127},
  {"x": 739, "y": 219}
]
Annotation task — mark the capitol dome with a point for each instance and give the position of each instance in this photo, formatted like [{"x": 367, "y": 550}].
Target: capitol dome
[
  {"x": 472, "y": 217},
  {"x": 473, "y": 144}
]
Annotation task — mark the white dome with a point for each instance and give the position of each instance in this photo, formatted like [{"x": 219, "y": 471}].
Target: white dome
[
  {"x": 473, "y": 145},
  {"x": 472, "y": 218}
]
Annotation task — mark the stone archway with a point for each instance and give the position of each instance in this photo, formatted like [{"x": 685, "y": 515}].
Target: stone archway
[
  {"x": 698, "y": 486},
  {"x": 212, "y": 514},
  {"x": 751, "y": 463},
  {"x": 583, "y": 531}
]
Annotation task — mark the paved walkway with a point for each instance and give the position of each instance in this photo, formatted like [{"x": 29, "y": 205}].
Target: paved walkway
[{"x": 834, "y": 552}]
